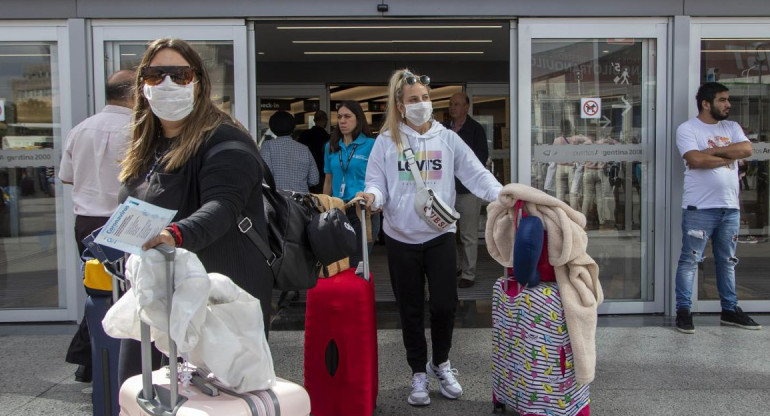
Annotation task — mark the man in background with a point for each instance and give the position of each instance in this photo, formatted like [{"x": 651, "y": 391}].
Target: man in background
[
  {"x": 292, "y": 166},
  {"x": 711, "y": 147},
  {"x": 91, "y": 164},
  {"x": 315, "y": 139},
  {"x": 467, "y": 204}
]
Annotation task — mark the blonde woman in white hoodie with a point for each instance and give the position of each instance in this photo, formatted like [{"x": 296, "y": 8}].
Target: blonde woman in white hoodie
[{"x": 417, "y": 250}]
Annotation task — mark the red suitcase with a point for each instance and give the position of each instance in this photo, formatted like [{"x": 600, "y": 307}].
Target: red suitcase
[{"x": 341, "y": 343}]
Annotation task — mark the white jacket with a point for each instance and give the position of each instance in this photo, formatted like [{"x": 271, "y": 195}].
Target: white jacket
[{"x": 440, "y": 155}]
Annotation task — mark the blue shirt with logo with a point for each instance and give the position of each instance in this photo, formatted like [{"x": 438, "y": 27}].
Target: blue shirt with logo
[{"x": 348, "y": 166}]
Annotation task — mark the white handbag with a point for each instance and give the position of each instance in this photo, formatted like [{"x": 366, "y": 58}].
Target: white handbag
[{"x": 437, "y": 213}]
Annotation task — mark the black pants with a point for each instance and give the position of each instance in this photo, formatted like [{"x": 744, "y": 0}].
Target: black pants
[
  {"x": 79, "y": 351},
  {"x": 409, "y": 265}
]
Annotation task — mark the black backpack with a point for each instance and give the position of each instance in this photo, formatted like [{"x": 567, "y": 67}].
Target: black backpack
[{"x": 286, "y": 249}]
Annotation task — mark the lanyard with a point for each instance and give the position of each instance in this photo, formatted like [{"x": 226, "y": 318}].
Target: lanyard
[{"x": 350, "y": 157}]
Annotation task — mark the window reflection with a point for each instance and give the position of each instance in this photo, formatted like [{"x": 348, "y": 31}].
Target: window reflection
[
  {"x": 217, "y": 57},
  {"x": 28, "y": 252},
  {"x": 742, "y": 65},
  {"x": 591, "y": 127}
]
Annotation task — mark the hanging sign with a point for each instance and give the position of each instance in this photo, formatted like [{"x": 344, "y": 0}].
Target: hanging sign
[
  {"x": 590, "y": 108},
  {"x": 274, "y": 104}
]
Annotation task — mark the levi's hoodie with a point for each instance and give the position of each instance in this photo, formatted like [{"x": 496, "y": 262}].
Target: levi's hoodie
[{"x": 441, "y": 155}]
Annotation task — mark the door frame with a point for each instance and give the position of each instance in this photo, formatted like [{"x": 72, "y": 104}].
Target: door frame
[
  {"x": 68, "y": 281},
  {"x": 653, "y": 244},
  {"x": 234, "y": 30}
]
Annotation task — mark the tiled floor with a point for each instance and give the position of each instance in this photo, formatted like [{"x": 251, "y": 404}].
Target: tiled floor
[{"x": 644, "y": 367}]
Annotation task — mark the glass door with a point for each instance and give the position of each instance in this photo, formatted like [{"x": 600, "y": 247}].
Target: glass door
[
  {"x": 741, "y": 61},
  {"x": 221, "y": 44},
  {"x": 33, "y": 275},
  {"x": 591, "y": 127},
  {"x": 490, "y": 106}
]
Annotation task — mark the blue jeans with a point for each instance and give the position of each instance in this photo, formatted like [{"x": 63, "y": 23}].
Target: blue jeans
[{"x": 698, "y": 226}]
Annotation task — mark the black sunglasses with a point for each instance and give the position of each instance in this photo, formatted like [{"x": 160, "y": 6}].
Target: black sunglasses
[
  {"x": 154, "y": 75},
  {"x": 411, "y": 79}
]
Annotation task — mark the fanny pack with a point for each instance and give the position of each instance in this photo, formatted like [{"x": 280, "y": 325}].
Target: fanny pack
[{"x": 428, "y": 205}]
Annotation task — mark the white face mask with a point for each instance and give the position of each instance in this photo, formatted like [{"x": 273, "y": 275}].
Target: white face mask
[
  {"x": 419, "y": 113},
  {"x": 169, "y": 100}
]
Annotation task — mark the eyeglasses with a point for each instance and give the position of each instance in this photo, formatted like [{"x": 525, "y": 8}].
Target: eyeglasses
[
  {"x": 154, "y": 75},
  {"x": 411, "y": 79}
]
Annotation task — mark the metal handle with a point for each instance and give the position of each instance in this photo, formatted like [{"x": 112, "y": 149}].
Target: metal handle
[
  {"x": 364, "y": 240},
  {"x": 155, "y": 400}
]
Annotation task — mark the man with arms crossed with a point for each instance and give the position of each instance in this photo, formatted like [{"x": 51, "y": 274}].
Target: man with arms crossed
[{"x": 711, "y": 147}]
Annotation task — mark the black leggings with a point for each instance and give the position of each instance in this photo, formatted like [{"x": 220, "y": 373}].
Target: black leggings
[{"x": 409, "y": 264}]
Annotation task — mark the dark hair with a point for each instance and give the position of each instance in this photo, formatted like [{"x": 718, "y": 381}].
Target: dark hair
[
  {"x": 119, "y": 91},
  {"x": 361, "y": 125},
  {"x": 204, "y": 117},
  {"x": 282, "y": 123},
  {"x": 707, "y": 92}
]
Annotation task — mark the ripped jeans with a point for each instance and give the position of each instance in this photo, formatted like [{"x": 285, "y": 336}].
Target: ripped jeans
[{"x": 698, "y": 226}]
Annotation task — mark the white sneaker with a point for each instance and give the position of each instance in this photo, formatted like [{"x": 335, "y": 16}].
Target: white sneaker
[
  {"x": 445, "y": 374},
  {"x": 419, "y": 395}
]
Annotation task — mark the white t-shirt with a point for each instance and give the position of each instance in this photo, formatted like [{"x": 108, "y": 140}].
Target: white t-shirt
[{"x": 709, "y": 188}]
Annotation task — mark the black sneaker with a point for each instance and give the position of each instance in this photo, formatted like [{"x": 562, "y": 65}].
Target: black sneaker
[
  {"x": 738, "y": 318},
  {"x": 684, "y": 321}
]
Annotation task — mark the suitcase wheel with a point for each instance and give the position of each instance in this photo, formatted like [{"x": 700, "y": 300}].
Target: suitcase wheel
[{"x": 497, "y": 406}]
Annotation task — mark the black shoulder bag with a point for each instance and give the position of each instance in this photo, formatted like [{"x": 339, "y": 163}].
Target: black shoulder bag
[{"x": 286, "y": 249}]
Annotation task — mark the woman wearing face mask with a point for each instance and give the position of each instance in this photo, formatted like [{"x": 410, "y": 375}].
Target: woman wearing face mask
[
  {"x": 416, "y": 250},
  {"x": 345, "y": 158},
  {"x": 175, "y": 124}
]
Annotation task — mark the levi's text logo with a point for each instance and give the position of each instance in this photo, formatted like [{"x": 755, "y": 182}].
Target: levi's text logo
[{"x": 428, "y": 163}]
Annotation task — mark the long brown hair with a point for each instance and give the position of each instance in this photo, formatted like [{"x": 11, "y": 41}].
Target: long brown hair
[
  {"x": 204, "y": 117},
  {"x": 361, "y": 125},
  {"x": 393, "y": 117}
]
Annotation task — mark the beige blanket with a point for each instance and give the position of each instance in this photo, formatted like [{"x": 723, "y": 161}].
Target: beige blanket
[{"x": 577, "y": 274}]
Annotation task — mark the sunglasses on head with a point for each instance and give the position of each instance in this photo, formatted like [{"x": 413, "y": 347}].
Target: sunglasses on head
[
  {"x": 411, "y": 79},
  {"x": 154, "y": 75}
]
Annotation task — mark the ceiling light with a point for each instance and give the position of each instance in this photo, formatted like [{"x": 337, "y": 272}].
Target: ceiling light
[
  {"x": 19, "y": 55},
  {"x": 396, "y": 53},
  {"x": 260, "y": 53},
  {"x": 388, "y": 27},
  {"x": 388, "y": 41},
  {"x": 735, "y": 50}
]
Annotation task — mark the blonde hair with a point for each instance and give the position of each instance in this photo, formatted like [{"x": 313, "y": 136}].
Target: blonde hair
[
  {"x": 393, "y": 117},
  {"x": 146, "y": 127}
]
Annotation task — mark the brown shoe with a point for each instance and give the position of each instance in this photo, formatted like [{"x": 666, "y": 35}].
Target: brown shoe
[{"x": 465, "y": 283}]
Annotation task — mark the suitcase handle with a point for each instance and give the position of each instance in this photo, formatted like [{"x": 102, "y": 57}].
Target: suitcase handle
[
  {"x": 364, "y": 240},
  {"x": 156, "y": 400}
]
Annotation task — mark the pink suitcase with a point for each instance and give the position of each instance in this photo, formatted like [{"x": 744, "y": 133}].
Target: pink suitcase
[{"x": 200, "y": 397}]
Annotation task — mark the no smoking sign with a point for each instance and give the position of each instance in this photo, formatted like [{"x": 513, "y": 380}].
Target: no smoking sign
[{"x": 590, "y": 108}]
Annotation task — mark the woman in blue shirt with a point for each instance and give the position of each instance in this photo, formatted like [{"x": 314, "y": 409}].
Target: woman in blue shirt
[{"x": 345, "y": 158}]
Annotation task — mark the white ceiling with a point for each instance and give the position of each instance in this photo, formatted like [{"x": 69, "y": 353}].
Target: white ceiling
[{"x": 366, "y": 41}]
